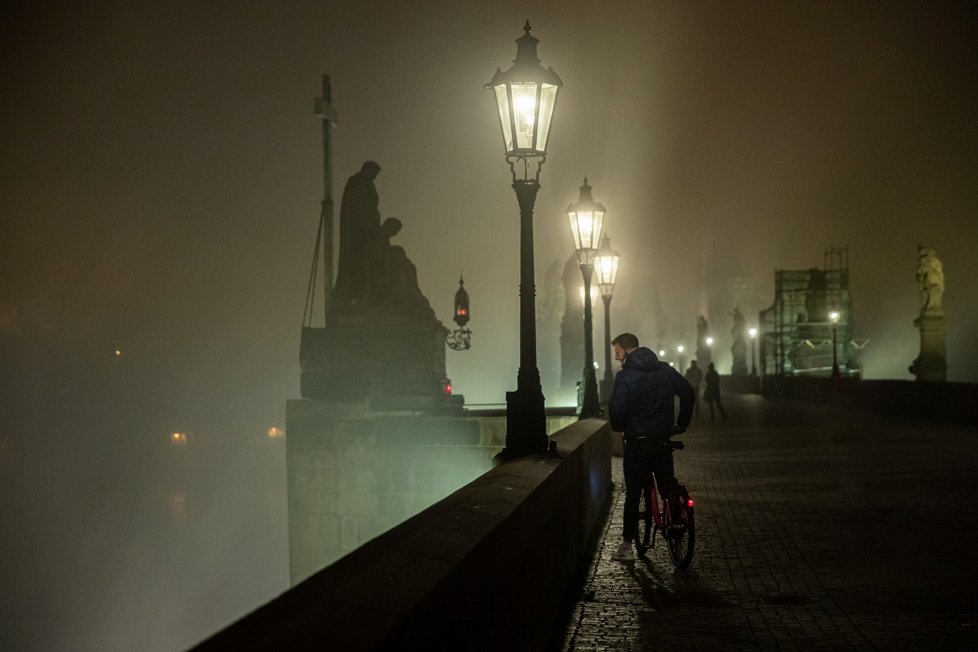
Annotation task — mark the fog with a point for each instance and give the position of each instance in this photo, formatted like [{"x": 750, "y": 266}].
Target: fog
[{"x": 160, "y": 190}]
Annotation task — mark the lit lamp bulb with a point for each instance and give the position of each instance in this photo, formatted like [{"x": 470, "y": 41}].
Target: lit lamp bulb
[
  {"x": 524, "y": 99},
  {"x": 709, "y": 341}
]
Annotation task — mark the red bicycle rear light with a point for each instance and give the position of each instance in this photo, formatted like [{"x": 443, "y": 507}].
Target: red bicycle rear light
[{"x": 689, "y": 503}]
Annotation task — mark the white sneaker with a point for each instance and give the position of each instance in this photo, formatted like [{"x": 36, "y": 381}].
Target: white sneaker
[{"x": 624, "y": 552}]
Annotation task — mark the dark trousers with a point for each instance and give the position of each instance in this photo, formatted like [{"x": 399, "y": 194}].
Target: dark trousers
[{"x": 642, "y": 458}]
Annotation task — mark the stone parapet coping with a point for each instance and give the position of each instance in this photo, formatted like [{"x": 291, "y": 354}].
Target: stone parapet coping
[{"x": 486, "y": 568}]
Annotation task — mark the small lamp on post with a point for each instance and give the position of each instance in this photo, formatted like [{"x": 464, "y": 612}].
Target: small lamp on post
[
  {"x": 606, "y": 265},
  {"x": 752, "y": 332},
  {"x": 834, "y": 319},
  {"x": 526, "y": 95},
  {"x": 679, "y": 350},
  {"x": 586, "y": 219}
]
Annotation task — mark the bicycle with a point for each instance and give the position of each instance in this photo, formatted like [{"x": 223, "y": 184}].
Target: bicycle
[{"x": 674, "y": 519}]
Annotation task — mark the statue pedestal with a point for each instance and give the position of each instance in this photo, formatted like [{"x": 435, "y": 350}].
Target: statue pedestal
[
  {"x": 395, "y": 363},
  {"x": 739, "y": 352},
  {"x": 931, "y": 364}
]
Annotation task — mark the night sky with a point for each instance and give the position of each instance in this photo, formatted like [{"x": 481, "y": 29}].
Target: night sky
[{"x": 161, "y": 175}]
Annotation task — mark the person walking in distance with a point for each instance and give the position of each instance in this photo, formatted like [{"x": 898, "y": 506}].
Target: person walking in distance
[
  {"x": 712, "y": 392},
  {"x": 642, "y": 409},
  {"x": 695, "y": 376}
]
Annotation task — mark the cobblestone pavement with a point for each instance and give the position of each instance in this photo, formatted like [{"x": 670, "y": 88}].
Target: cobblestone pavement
[{"x": 817, "y": 527}]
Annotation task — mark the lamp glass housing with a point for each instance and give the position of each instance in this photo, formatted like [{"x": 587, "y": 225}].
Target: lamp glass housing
[
  {"x": 606, "y": 267},
  {"x": 525, "y": 112},
  {"x": 586, "y": 219}
]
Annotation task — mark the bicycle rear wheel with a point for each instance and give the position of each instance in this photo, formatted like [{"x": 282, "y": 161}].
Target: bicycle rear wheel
[
  {"x": 645, "y": 523},
  {"x": 680, "y": 528}
]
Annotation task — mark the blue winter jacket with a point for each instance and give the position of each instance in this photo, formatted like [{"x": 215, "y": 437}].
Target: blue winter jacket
[{"x": 642, "y": 400}]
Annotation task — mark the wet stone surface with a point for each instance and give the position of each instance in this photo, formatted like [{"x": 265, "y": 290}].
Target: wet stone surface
[{"x": 817, "y": 527}]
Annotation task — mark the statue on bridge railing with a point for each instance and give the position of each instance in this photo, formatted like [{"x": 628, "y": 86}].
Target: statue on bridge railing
[
  {"x": 376, "y": 281},
  {"x": 930, "y": 279},
  {"x": 931, "y": 364},
  {"x": 739, "y": 348}
]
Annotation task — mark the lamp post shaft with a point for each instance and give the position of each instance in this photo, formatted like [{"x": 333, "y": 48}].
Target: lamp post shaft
[
  {"x": 526, "y": 421},
  {"x": 835, "y": 359},
  {"x": 325, "y": 109},
  {"x": 608, "y": 381},
  {"x": 753, "y": 359},
  {"x": 590, "y": 407}
]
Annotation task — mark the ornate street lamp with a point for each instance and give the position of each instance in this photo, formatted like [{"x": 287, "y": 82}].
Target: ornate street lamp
[
  {"x": 460, "y": 339},
  {"x": 834, "y": 318},
  {"x": 526, "y": 95},
  {"x": 752, "y": 331},
  {"x": 586, "y": 218},
  {"x": 606, "y": 266}
]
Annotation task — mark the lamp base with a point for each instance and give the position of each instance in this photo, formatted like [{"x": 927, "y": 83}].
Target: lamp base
[{"x": 526, "y": 422}]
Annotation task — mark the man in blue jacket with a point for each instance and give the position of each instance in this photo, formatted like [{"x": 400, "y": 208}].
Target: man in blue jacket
[{"x": 641, "y": 408}]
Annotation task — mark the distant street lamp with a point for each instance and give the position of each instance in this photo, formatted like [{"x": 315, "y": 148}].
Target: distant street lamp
[
  {"x": 753, "y": 340},
  {"x": 679, "y": 350},
  {"x": 606, "y": 265},
  {"x": 525, "y": 96},
  {"x": 586, "y": 218},
  {"x": 834, "y": 318}
]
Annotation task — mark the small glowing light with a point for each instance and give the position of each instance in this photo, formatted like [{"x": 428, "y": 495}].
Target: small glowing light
[
  {"x": 672, "y": 364},
  {"x": 689, "y": 503},
  {"x": 274, "y": 433},
  {"x": 709, "y": 341},
  {"x": 179, "y": 438},
  {"x": 834, "y": 316},
  {"x": 680, "y": 348},
  {"x": 448, "y": 389},
  {"x": 662, "y": 353},
  {"x": 118, "y": 353},
  {"x": 463, "y": 311},
  {"x": 752, "y": 332}
]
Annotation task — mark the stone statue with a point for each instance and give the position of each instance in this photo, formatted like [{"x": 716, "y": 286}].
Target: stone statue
[
  {"x": 739, "y": 348},
  {"x": 376, "y": 280},
  {"x": 930, "y": 279},
  {"x": 931, "y": 364},
  {"x": 395, "y": 284},
  {"x": 359, "y": 238}
]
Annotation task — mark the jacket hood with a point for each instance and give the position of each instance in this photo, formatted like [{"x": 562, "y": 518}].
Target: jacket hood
[{"x": 642, "y": 359}]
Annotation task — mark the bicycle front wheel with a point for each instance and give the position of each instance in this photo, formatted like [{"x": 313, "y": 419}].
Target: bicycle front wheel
[{"x": 681, "y": 530}]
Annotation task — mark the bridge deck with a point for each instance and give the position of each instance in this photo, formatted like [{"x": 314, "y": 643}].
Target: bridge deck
[{"x": 818, "y": 526}]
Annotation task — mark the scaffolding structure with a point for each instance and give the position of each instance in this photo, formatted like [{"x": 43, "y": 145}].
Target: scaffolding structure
[{"x": 796, "y": 332}]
